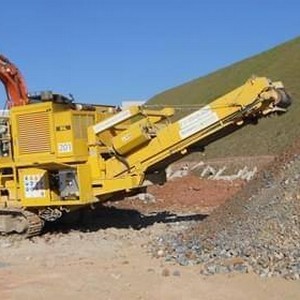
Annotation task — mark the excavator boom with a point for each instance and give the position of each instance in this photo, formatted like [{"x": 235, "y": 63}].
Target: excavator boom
[{"x": 14, "y": 83}]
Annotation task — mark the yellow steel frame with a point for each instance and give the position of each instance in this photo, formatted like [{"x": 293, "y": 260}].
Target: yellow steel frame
[{"x": 113, "y": 152}]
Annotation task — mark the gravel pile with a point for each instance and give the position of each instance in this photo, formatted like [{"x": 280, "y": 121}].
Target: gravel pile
[{"x": 257, "y": 231}]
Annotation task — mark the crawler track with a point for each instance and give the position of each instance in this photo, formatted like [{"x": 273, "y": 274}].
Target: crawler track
[{"x": 23, "y": 222}]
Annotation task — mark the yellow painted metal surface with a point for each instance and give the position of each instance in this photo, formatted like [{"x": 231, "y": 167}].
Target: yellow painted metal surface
[
  {"x": 135, "y": 136},
  {"x": 62, "y": 156},
  {"x": 202, "y": 123},
  {"x": 36, "y": 190},
  {"x": 50, "y": 132},
  {"x": 32, "y": 132}
]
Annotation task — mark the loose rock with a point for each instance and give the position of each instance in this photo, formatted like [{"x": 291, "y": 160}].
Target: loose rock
[{"x": 258, "y": 230}]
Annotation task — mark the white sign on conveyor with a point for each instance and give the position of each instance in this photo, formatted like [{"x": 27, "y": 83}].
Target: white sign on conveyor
[{"x": 197, "y": 121}]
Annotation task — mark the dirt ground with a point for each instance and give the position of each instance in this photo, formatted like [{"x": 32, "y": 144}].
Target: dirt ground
[
  {"x": 189, "y": 194},
  {"x": 115, "y": 264},
  {"x": 108, "y": 255}
]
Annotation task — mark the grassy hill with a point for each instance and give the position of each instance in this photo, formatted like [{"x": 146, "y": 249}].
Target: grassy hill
[{"x": 272, "y": 134}]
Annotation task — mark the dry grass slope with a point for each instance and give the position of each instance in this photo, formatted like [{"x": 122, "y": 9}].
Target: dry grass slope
[{"x": 271, "y": 135}]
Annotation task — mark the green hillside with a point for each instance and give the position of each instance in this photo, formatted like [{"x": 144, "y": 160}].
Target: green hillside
[{"x": 271, "y": 134}]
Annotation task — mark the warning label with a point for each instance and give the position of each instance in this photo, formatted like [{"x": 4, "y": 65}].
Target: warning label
[{"x": 34, "y": 186}]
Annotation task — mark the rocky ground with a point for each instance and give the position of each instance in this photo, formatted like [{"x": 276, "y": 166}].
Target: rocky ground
[
  {"x": 167, "y": 246},
  {"x": 256, "y": 231},
  {"x": 117, "y": 263}
]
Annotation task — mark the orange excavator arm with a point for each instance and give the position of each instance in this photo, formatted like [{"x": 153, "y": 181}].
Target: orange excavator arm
[{"x": 13, "y": 82}]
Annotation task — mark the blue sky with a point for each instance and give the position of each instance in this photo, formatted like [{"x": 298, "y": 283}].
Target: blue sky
[{"x": 106, "y": 51}]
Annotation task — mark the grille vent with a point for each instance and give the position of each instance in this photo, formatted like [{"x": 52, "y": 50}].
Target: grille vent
[{"x": 34, "y": 133}]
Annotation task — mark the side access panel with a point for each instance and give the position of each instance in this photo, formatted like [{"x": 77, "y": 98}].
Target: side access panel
[
  {"x": 34, "y": 186},
  {"x": 42, "y": 187}
]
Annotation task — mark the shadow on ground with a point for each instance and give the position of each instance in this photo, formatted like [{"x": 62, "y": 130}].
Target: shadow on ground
[{"x": 111, "y": 217}]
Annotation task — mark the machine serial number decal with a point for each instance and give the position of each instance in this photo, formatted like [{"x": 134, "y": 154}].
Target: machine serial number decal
[
  {"x": 197, "y": 121},
  {"x": 64, "y": 147}
]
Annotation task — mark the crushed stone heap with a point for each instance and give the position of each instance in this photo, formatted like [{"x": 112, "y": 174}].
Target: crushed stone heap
[{"x": 258, "y": 230}]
